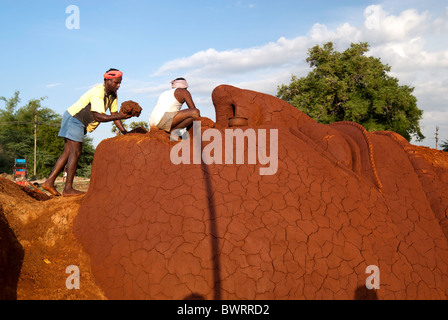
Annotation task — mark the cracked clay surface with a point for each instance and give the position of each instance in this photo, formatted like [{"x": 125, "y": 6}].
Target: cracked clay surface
[{"x": 341, "y": 200}]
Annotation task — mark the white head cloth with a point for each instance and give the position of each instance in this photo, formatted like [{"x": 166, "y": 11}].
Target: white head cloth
[{"x": 183, "y": 84}]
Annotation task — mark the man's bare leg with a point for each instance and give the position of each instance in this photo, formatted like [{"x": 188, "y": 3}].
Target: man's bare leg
[
  {"x": 185, "y": 118},
  {"x": 58, "y": 167},
  {"x": 75, "y": 149}
]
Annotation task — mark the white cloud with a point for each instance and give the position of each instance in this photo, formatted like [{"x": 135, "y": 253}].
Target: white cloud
[
  {"x": 213, "y": 62},
  {"x": 434, "y": 92},
  {"x": 52, "y": 85},
  {"x": 440, "y": 25},
  {"x": 344, "y": 34},
  {"x": 409, "y": 23}
]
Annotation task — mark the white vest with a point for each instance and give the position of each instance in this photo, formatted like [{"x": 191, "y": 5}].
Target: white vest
[{"x": 167, "y": 103}]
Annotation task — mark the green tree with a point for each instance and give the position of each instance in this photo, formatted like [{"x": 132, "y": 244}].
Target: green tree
[
  {"x": 444, "y": 145},
  {"x": 16, "y": 135},
  {"x": 17, "y": 138},
  {"x": 133, "y": 125},
  {"x": 350, "y": 86}
]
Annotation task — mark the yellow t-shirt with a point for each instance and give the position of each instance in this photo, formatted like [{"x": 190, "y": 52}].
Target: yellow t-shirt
[{"x": 94, "y": 100}]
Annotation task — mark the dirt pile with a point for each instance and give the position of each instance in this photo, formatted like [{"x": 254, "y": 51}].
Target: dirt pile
[
  {"x": 37, "y": 245},
  {"x": 131, "y": 108},
  {"x": 437, "y": 158},
  {"x": 342, "y": 199},
  {"x": 11, "y": 256},
  {"x": 140, "y": 130}
]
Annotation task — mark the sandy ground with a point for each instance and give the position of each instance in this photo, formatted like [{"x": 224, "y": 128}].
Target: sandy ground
[{"x": 44, "y": 230}]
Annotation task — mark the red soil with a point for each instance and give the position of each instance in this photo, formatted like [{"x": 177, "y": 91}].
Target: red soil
[{"x": 37, "y": 245}]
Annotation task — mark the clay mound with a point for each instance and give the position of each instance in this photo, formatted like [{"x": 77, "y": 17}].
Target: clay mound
[
  {"x": 11, "y": 257},
  {"x": 131, "y": 108},
  {"x": 139, "y": 130},
  {"x": 436, "y": 158},
  {"x": 342, "y": 199},
  {"x": 9, "y": 187},
  {"x": 15, "y": 190},
  {"x": 37, "y": 245}
]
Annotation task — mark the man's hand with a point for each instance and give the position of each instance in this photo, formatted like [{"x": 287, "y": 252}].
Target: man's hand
[{"x": 125, "y": 116}]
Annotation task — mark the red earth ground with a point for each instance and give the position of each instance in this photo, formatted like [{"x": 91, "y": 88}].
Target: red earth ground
[
  {"x": 43, "y": 236},
  {"x": 342, "y": 199}
]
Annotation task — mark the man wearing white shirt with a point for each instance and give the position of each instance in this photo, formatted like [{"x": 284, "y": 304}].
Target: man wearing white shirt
[{"x": 167, "y": 115}]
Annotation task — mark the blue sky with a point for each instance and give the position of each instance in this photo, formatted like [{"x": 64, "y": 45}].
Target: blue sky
[{"x": 254, "y": 44}]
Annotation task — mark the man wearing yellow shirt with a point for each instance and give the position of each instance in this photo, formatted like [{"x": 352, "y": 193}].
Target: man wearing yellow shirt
[{"x": 82, "y": 117}]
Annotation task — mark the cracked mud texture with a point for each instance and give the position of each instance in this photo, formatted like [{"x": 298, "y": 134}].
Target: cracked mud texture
[{"x": 342, "y": 199}]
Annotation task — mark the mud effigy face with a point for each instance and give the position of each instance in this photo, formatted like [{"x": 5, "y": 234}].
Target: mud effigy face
[{"x": 342, "y": 200}]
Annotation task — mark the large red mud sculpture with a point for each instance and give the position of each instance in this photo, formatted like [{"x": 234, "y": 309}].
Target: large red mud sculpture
[{"x": 341, "y": 199}]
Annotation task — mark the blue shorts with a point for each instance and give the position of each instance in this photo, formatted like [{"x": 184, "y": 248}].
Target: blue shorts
[{"x": 72, "y": 128}]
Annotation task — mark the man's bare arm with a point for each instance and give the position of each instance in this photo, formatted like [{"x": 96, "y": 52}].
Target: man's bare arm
[
  {"x": 102, "y": 117},
  {"x": 183, "y": 95},
  {"x": 116, "y": 117},
  {"x": 120, "y": 126},
  {"x": 189, "y": 100}
]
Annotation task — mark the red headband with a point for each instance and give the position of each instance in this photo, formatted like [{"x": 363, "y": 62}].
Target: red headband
[{"x": 113, "y": 75}]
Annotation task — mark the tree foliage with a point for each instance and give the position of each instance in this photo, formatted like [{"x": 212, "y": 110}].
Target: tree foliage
[
  {"x": 17, "y": 138},
  {"x": 133, "y": 125},
  {"x": 350, "y": 86},
  {"x": 444, "y": 145}
]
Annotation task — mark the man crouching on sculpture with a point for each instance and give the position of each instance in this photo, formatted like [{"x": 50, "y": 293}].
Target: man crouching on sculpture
[{"x": 167, "y": 114}]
